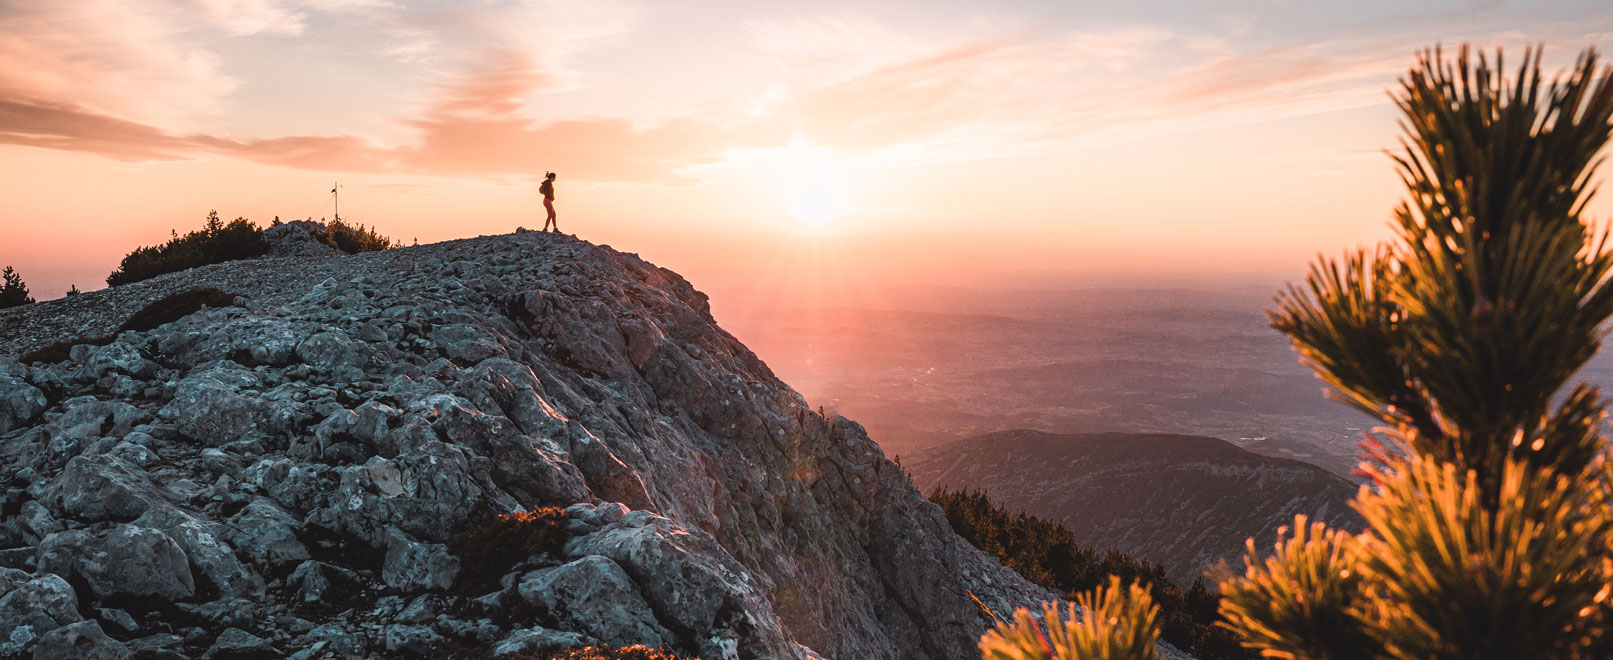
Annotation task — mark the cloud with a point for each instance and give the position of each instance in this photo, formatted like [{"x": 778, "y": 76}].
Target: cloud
[
  {"x": 474, "y": 121},
  {"x": 107, "y": 56},
  {"x": 244, "y": 17},
  {"x": 72, "y": 128},
  {"x": 70, "y": 80}
]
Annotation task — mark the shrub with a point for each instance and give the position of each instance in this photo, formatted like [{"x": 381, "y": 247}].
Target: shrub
[
  {"x": 1116, "y": 622},
  {"x": 72, "y": 290},
  {"x": 216, "y": 242},
  {"x": 354, "y": 239},
  {"x": 176, "y": 306},
  {"x": 159, "y": 312},
  {"x": 1048, "y": 554},
  {"x": 13, "y": 293},
  {"x": 62, "y": 350},
  {"x": 490, "y": 548}
]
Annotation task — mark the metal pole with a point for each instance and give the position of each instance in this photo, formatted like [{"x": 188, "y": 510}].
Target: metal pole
[{"x": 335, "y": 189}]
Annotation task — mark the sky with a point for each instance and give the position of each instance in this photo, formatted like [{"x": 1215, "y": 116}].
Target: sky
[{"x": 784, "y": 146}]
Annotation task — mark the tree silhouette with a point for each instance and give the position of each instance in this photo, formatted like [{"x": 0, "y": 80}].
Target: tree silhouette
[{"x": 13, "y": 292}]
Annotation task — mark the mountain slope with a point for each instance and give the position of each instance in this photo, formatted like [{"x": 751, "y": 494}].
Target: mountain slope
[
  {"x": 289, "y": 471},
  {"x": 1183, "y": 501}
]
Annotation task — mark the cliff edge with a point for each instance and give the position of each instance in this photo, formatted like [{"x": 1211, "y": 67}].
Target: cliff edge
[{"x": 286, "y": 473}]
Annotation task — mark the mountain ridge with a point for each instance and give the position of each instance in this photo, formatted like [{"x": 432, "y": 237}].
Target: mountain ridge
[{"x": 345, "y": 415}]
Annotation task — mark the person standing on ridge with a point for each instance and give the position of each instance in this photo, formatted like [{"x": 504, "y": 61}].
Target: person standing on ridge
[{"x": 547, "y": 188}]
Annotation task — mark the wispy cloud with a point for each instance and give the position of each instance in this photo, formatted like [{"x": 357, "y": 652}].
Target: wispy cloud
[
  {"x": 107, "y": 56},
  {"x": 104, "y": 78}
]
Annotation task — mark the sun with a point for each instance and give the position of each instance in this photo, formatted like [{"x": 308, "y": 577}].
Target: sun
[
  {"x": 809, "y": 181},
  {"x": 813, "y": 202}
]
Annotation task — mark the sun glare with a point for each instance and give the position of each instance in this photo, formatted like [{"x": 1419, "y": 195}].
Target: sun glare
[{"x": 808, "y": 181}]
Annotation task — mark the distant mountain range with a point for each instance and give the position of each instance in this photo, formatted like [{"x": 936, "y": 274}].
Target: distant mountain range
[{"x": 1183, "y": 501}]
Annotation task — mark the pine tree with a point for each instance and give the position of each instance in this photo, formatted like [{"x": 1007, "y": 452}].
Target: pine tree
[
  {"x": 1488, "y": 528},
  {"x": 13, "y": 292},
  {"x": 1116, "y": 622},
  {"x": 1489, "y": 508}
]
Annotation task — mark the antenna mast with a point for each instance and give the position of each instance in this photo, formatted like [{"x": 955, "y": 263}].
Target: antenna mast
[{"x": 334, "y": 187}]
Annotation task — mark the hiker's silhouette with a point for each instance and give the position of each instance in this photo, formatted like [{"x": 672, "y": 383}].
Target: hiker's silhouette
[{"x": 547, "y": 188}]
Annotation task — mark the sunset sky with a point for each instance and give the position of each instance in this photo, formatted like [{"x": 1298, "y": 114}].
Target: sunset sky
[{"x": 739, "y": 143}]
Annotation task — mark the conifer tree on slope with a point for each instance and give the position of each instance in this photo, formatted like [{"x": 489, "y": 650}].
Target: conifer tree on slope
[
  {"x": 1488, "y": 533},
  {"x": 13, "y": 292}
]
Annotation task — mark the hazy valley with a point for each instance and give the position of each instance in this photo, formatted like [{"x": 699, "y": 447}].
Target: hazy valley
[{"x": 924, "y": 367}]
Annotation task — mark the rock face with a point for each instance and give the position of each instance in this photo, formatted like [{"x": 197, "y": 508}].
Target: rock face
[
  {"x": 1184, "y": 502},
  {"x": 290, "y": 473}
]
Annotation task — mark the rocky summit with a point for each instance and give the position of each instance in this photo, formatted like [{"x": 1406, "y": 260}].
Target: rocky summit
[{"x": 282, "y": 457}]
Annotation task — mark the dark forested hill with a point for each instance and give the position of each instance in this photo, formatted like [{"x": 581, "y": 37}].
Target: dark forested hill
[{"x": 1181, "y": 501}]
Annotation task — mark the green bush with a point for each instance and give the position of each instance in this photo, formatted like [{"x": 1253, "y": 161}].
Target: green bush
[
  {"x": 216, "y": 242},
  {"x": 494, "y": 545},
  {"x": 13, "y": 293},
  {"x": 1048, "y": 554}
]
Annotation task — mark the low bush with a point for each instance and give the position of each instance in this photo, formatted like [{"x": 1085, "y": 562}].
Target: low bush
[
  {"x": 490, "y": 548},
  {"x": 354, "y": 239},
  {"x": 216, "y": 242},
  {"x": 60, "y": 351},
  {"x": 162, "y": 311},
  {"x": 1048, "y": 554},
  {"x": 177, "y": 306}
]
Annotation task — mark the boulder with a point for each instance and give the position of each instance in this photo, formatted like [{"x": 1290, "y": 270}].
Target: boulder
[
  {"x": 212, "y": 558},
  {"x": 537, "y": 639},
  {"x": 698, "y": 587},
  {"x": 266, "y": 535},
  {"x": 33, "y": 608},
  {"x": 592, "y": 595},
  {"x": 20, "y": 403},
  {"x": 237, "y": 644},
  {"x": 116, "y": 358},
  {"x": 80, "y": 641},
  {"x": 412, "y": 566},
  {"x": 97, "y": 488},
  {"x": 411, "y": 641},
  {"x": 126, "y": 561},
  {"x": 298, "y": 238},
  {"x": 209, "y": 408}
]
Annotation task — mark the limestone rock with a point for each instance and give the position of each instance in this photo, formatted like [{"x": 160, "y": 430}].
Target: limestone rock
[
  {"x": 412, "y": 566},
  {"x": 32, "y": 608},
  {"x": 266, "y": 535},
  {"x": 237, "y": 644},
  {"x": 209, "y": 408},
  {"x": 538, "y": 639},
  {"x": 128, "y": 561},
  {"x": 80, "y": 641},
  {"x": 96, "y": 488},
  {"x": 20, "y": 403},
  {"x": 295, "y": 466},
  {"x": 212, "y": 557},
  {"x": 594, "y": 596}
]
